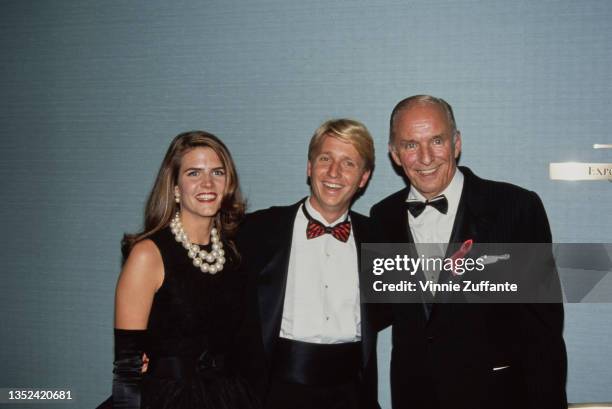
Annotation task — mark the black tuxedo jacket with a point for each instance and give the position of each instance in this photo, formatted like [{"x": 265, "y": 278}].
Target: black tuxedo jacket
[
  {"x": 445, "y": 359},
  {"x": 264, "y": 242}
]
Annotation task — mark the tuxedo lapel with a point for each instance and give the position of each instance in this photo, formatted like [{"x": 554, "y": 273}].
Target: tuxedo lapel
[
  {"x": 399, "y": 230},
  {"x": 463, "y": 226},
  {"x": 472, "y": 221},
  {"x": 401, "y": 233},
  {"x": 467, "y": 226},
  {"x": 272, "y": 280},
  {"x": 463, "y": 229}
]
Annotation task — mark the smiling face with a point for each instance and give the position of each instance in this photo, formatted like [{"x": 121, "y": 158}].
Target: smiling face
[
  {"x": 336, "y": 172},
  {"x": 423, "y": 146},
  {"x": 201, "y": 184}
]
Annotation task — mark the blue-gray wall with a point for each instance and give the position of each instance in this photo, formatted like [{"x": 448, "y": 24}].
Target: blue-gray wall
[{"x": 92, "y": 92}]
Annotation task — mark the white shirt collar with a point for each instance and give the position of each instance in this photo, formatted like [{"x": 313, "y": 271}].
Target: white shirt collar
[
  {"x": 452, "y": 191},
  {"x": 317, "y": 216}
]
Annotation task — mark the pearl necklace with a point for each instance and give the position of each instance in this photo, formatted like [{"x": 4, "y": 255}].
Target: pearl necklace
[{"x": 207, "y": 262}]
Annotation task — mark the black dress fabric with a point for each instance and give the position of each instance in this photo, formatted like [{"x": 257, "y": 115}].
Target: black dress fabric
[{"x": 191, "y": 337}]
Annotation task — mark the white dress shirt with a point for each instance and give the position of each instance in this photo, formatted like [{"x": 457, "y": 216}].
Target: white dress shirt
[
  {"x": 432, "y": 227},
  {"x": 322, "y": 295}
]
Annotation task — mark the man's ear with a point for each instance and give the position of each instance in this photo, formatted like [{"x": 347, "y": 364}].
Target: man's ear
[
  {"x": 394, "y": 155},
  {"x": 457, "y": 144},
  {"x": 364, "y": 178},
  {"x": 308, "y": 168}
]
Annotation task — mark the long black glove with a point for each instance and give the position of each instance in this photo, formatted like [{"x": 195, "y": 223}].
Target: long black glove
[{"x": 129, "y": 347}]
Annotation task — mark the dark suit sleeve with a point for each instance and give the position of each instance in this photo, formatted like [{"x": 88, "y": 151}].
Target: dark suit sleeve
[
  {"x": 382, "y": 313},
  {"x": 544, "y": 358},
  {"x": 370, "y": 382},
  {"x": 377, "y": 222}
]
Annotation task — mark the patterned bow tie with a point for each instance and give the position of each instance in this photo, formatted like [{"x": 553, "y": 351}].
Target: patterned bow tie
[
  {"x": 439, "y": 202},
  {"x": 315, "y": 228}
]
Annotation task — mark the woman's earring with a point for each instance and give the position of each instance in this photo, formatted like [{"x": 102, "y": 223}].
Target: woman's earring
[{"x": 177, "y": 196}]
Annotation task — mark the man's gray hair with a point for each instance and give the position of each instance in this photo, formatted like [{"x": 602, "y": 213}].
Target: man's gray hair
[{"x": 422, "y": 100}]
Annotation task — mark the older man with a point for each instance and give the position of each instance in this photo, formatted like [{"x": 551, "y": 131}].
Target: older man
[
  {"x": 460, "y": 355},
  {"x": 316, "y": 338}
]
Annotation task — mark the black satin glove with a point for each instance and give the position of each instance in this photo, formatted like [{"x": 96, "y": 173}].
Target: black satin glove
[{"x": 129, "y": 347}]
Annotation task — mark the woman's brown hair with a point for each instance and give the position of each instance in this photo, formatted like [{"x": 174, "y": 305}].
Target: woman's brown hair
[{"x": 161, "y": 207}]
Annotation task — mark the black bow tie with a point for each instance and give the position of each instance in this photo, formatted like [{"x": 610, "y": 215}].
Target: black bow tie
[{"x": 439, "y": 202}]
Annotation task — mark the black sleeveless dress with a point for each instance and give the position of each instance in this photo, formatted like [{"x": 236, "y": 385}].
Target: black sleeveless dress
[{"x": 192, "y": 335}]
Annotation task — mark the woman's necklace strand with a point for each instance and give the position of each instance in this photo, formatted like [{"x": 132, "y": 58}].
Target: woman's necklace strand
[{"x": 211, "y": 262}]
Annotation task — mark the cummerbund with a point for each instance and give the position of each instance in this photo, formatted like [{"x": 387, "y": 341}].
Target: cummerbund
[{"x": 316, "y": 364}]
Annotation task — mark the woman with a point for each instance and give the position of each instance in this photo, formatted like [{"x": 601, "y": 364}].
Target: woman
[{"x": 178, "y": 298}]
